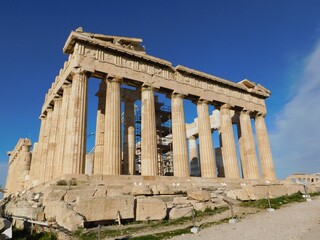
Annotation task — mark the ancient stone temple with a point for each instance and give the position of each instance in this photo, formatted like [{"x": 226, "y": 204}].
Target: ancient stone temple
[{"x": 123, "y": 61}]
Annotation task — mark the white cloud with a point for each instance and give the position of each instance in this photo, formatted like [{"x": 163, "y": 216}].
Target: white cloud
[{"x": 296, "y": 138}]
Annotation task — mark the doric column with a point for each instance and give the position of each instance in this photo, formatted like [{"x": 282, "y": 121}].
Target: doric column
[
  {"x": 61, "y": 164},
  {"x": 250, "y": 167},
  {"x": 207, "y": 159},
  {"x": 179, "y": 137},
  {"x": 53, "y": 137},
  {"x": 193, "y": 156},
  {"x": 229, "y": 152},
  {"x": 264, "y": 148},
  {"x": 35, "y": 166},
  {"x": 44, "y": 148},
  {"x": 100, "y": 128},
  {"x": 149, "y": 160},
  {"x": 112, "y": 138},
  {"x": 129, "y": 164},
  {"x": 77, "y": 124}
]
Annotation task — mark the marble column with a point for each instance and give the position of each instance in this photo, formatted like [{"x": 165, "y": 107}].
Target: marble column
[
  {"x": 112, "y": 137},
  {"x": 129, "y": 157},
  {"x": 77, "y": 124},
  {"x": 35, "y": 167},
  {"x": 100, "y": 128},
  {"x": 228, "y": 148},
  {"x": 62, "y": 160},
  {"x": 179, "y": 137},
  {"x": 241, "y": 149},
  {"x": 265, "y": 154},
  {"x": 53, "y": 139},
  {"x": 149, "y": 158},
  {"x": 250, "y": 166},
  {"x": 207, "y": 158},
  {"x": 44, "y": 148},
  {"x": 193, "y": 156}
]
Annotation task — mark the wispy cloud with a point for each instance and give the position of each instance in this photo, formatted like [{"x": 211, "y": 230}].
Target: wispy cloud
[{"x": 296, "y": 138}]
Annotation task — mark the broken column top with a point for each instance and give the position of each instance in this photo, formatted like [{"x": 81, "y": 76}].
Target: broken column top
[{"x": 125, "y": 42}]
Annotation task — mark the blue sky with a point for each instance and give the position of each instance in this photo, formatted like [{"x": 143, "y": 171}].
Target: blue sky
[{"x": 274, "y": 43}]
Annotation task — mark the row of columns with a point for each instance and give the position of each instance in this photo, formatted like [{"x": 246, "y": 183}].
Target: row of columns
[
  {"x": 62, "y": 140},
  {"x": 228, "y": 164},
  {"x": 61, "y": 148}
]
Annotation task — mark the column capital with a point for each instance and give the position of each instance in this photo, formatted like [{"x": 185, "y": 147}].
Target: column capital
[
  {"x": 261, "y": 114},
  {"x": 225, "y": 106},
  {"x": 79, "y": 70},
  {"x": 245, "y": 111},
  {"x": 200, "y": 101},
  {"x": 192, "y": 137},
  {"x": 177, "y": 95},
  {"x": 114, "y": 78},
  {"x": 147, "y": 87},
  {"x": 64, "y": 86}
]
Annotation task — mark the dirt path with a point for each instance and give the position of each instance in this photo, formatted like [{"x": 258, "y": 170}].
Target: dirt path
[{"x": 299, "y": 221}]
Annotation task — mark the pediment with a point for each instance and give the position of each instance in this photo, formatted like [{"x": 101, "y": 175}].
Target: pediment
[{"x": 250, "y": 86}]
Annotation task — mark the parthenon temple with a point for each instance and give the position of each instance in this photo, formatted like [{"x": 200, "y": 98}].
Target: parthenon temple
[{"x": 127, "y": 74}]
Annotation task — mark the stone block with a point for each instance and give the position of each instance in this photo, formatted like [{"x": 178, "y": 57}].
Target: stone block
[
  {"x": 219, "y": 203},
  {"x": 105, "y": 208},
  {"x": 257, "y": 192},
  {"x": 162, "y": 189},
  {"x": 150, "y": 209},
  {"x": 53, "y": 196},
  {"x": 181, "y": 201},
  {"x": 100, "y": 192},
  {"x": 277, "y": 191},
  {"x": 176, "y": 212},
  {"x": 202, "y": 206},
  {"x": 72, "y": 195},
  {"x": 27, "y": 212},
  {"x": 63, "y": 215},
  {"x": 141, "y": 190},
  {"x": 232, "y": 194},
  {"x": 200, "y": 195},
  {"x": 293, "y": 188},
  {"x": 241, "y": 194}
]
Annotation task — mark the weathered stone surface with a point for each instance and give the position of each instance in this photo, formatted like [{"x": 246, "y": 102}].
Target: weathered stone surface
[
  {"x": 176, "y": 212},
  {"x": 105, "y": 208},
  {"x": 100, "y": 192},
  {"x": 63, "y": 215},
  {"x": 162, "y": 189},
  {"x": 27, "y": 212},
  {"x": 72, "y": 195},
  {"x": 231, "y": 194},
  {"x": 241, "y": 194},
  {"x": 200, "y": 195},
  {"x": 202, "y": 206},
  {"x": 53, "y": 196},
  {"x": 219, "y": 203},
  {"x": 277, "y": 191},
  {"x": 150, "y": 209},
  {"x": 180, "y": 201},
  {"x": 141, "y": 190}
]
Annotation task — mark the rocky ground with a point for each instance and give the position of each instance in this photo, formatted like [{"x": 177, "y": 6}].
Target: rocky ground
[{"x": 300, "y": 221}]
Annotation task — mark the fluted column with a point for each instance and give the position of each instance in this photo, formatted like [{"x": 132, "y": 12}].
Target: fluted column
[
  {"x": 52, "y": 143},
  {"x": 249, "y": 163},
  {"x": 229, "y": 152},
  {"x": 62, "y": 161},
  {"x": 112, "y": 138},
  {"x": 100, "y": 128},
  {"x": 35, "y": 166},
  {"x": 129, "y": 164},
  {"x": 193, "y": 156},
  {"x": 179, "y": 137},
  {"x": 44, "y": 148},
  {"x": 265, "y": 154},
  {"x": 77, "y": 124},
  {"x": 149, "y": 160},
  {"x": 207, "y": 159}
]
